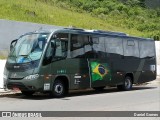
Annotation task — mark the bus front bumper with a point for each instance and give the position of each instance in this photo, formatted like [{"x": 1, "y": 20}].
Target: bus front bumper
[{"x": 25, "y": 85}]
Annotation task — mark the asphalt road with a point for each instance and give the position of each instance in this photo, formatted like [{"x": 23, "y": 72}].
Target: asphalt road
[{"x": 141, "y": 98}]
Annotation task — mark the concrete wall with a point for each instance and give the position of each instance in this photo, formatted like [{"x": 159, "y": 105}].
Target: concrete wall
[
  {"x": 10, "y": 30},
  {"x": 152, "y": 3},
  {"x": 2, "y": 63},
  {"x": 158, "y": 56},
  {"x": 149, "y": 3}
]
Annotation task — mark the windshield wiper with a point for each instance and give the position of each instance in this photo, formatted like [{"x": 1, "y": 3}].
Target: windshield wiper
[{"x": 26, "y": 56}]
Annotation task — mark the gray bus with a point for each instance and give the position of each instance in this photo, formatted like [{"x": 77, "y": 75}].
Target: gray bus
[{"x": 60, "y": 60}]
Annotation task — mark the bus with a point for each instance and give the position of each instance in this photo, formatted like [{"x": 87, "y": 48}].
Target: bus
[{"x": 59, "y": 60}]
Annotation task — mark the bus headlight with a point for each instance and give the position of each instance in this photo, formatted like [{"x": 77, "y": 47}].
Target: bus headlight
[{"x": 32, "y": 77}]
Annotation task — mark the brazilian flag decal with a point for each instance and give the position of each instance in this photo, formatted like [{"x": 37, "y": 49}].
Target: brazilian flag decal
[{"x": 99, "y": 71}]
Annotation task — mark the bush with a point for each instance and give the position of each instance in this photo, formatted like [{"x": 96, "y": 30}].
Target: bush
[
  {"x": 122, "y": 7},
  {"x": 156, "y": 37},
  {"x": 148, "y": 27},
  {"x": 100, "y": 11},
  {"x": 158, "y": 12}
]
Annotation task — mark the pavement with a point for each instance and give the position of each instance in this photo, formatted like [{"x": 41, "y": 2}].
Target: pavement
[{"x": 143, "y": 97}]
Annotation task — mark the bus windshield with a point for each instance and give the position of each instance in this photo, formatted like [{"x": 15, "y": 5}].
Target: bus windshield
[{"x": 28, "y": 48}]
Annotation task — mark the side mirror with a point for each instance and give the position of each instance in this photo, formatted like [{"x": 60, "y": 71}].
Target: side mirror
[{"x": 13, "y": 43}]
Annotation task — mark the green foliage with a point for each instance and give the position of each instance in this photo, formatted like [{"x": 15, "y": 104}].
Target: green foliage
[
  {"x": 132, "y": 3},
  {"x": 130, "y": 16}
]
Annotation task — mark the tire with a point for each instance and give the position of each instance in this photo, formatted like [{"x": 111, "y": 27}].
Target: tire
[
  {"x": 99, "y": 88},
  {"x": 28, "y": 93},
  {"x": 59, "y": 89},
  {"x": 127, "y": 84}
]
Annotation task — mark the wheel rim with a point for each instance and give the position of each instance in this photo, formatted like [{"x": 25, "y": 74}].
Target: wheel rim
[
  {"x": 58, "y": 89},
  {"x": 127, "y": 83}
]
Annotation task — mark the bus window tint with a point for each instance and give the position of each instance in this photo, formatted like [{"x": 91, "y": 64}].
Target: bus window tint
[
  {"x": 95, "y": 40},
  {"x": 147, "y": 49},
  {"x": 131, "y": 48},
  {"x": 98, "y": 47},
  {"x": 61, "y": 45},
  {"x": 114, "y": 47},
  {"x": 79, "y": 45},
  {"x": 61, "y": 48},
  {"x": 76, "y": 42}
]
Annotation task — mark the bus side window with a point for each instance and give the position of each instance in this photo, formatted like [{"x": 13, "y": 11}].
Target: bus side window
[
  {"x": 48, "y": 55},
  {"x": 147, "y": 49},
  {"x": 61, "y": 45},
  {"x": 98, "y": 48},
  {"x": 76, "y": 42},
  {"x": 131, "y": 48},
  {"x": 61, "y": 49},
  {"x": 80, "y": 45},
  {"x": 95, "y": 40},
  {"x": 114, "y": 47}
]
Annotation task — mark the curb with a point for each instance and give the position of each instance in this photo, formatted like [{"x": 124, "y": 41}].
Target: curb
[{"x": 4, "y": 92}]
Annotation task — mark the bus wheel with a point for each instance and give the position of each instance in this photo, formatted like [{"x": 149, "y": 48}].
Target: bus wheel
[
  {"x": 28, "y": 93},
  {"x": 58, "y": 89},
  {"x": 127, "y": 84},
  {"x": 99, "y": 88}
]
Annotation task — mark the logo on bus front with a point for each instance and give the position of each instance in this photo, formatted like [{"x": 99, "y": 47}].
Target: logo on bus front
[{"x": 16, "y": 66}]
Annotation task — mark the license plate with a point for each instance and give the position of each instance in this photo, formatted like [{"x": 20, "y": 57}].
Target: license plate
[{"x": 16, "y": 89}]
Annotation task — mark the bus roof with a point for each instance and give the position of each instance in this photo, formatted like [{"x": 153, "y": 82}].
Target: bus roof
[{"x": 91, "y": 32}]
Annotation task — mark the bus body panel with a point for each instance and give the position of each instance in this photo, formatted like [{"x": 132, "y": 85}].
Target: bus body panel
[{"x": 103, "y": 59}]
